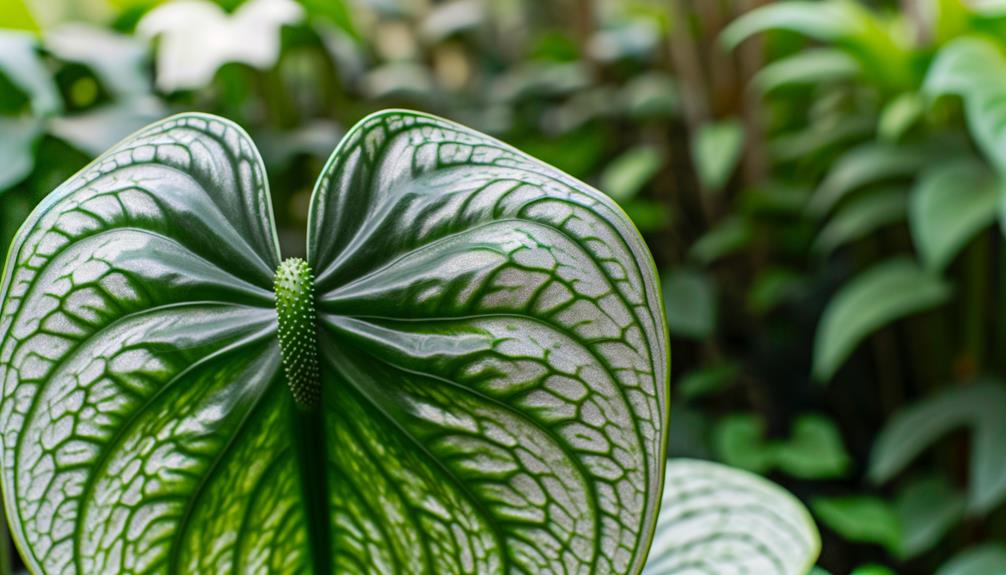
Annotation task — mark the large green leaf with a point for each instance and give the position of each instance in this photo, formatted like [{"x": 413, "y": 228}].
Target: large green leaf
[
  {"x": 714, "y": 519},
  {"x": 980, "y": 406},
  {"x": 884, "y": 293},
  {"x": 478, "y": 364}
]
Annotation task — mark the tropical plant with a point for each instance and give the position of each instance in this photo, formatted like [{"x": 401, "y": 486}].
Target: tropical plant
[{"x": 468, "y": 372}]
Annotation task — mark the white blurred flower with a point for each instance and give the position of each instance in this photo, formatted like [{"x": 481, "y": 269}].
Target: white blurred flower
[{"x": 198, "y": 37}]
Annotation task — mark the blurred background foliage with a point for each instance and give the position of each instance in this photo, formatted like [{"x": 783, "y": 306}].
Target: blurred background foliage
[{"x": 822, "y": 184}]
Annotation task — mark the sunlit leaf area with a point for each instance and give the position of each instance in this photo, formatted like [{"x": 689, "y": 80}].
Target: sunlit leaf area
[{"x": 503, "y": 286}]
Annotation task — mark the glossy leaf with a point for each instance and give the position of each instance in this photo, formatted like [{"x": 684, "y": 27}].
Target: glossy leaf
[
  {"x": 876, "y": 297},
  {"x": 980, "y": 407},
  {"x": 488, "y": 352},
  {"x": 714, "y": 519},
  {"x": 950, "y": 205}
]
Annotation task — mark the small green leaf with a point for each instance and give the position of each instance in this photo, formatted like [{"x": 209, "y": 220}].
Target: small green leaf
[
  {"x": 714, "y": 519},
  {"x": 876, "y": 297},
  {"x": 951, "y": 203},
  {"x": 728, "y": 237},
  {"x": 861, "y": 519},
  {"x": 716, "y": 150},
  {"x": 651, "y": 95},
  {"x": 979, "y": 406},
  {"x": 812, "y": 67},
  {"x": 987, "y": 559},
  {"x": 739, "y": 442},
  {"x": 707, "y": 380},
  {"x": 689, "y": 303},
  {"x": 928, "y": 509},
  {"x": 627, "y": 174},
  {"x": 860, "y": 217},
  {"x": 899, "y": 115},
  {"x": 867, "y": 164},
  {"x": 814, "y": 450}
]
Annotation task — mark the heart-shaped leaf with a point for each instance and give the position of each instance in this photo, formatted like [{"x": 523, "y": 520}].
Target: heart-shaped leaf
[
  {"x": 478, "y": 364},
  {"x": 714, "y": 519}
]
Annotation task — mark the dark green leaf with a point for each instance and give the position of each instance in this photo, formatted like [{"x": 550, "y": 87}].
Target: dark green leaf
[
  {"x": 981, "y": 407},
  {"x": 876, "y": 297},
  {"x": 714, "y": 519},
  {"x": 860, "y": 519}
]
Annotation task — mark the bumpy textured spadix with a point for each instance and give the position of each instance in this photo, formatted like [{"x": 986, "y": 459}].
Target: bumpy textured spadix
[
  {"x": 488, "y": 395},
  {"x": 298, "y": 339}
]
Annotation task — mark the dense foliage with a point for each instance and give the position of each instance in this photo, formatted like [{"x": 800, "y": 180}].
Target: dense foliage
[{"x": 820, "y": 183}]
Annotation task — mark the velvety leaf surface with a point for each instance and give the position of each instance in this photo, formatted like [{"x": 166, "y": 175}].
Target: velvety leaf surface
[
  {"x": 496, "y": 360},
  {"x": 492, "y": 369},
  {"x": 715, "y": 519}
]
